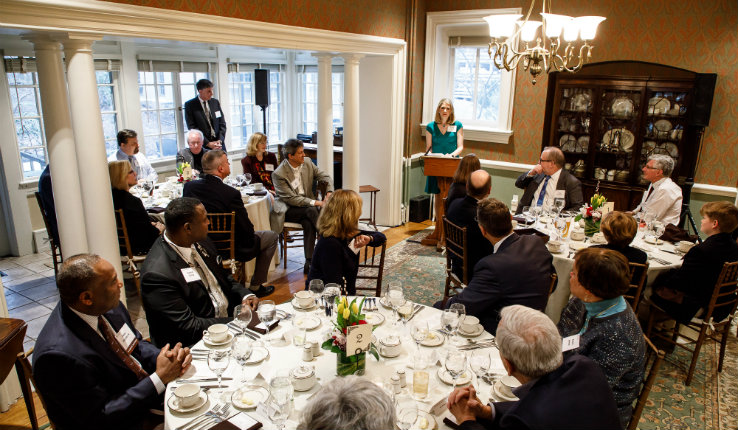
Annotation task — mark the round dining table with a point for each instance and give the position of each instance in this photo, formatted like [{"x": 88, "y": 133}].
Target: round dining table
[{"x": 283, "y": 356}]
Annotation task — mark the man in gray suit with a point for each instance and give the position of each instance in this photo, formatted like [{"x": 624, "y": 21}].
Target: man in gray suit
[
  {"x": 293, "y": 183},
  {"x": 548, "y": 181}
]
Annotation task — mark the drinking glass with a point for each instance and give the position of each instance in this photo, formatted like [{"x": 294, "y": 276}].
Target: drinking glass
[
  {"x": 479, "y": 362},
  {"x": 449, "y": 322},
  {"x": 247, "y": 178},
  {"x": 658, "y": 229},
  {"x": 316, "y": 287},
  {"x": 278, "y": 415},
  {"x": 536, "y": 212},
  {"x": 407, "y": 412},
  {"x": 266, "y": 312},
  {"x": 419, "y": 332},
  {"x": 460, "y": 310},
  {"x": 396, "y": 297},
  {"x": 421, "y": 377},
  {"x": 405, "y": 311},
  {"x": 455, "y": 364},
  {"x": 526, "y": 214},
  {"x": 148, "y": 187},
  {"x": 330, "y": 293},
  {"x": 241, "y": 351},
  {"x": 558, "y": 205},
  {"x": 281, "y": 390},
  {"x": 242, "y": 316},
  {"x": 561, "y": 224},
  {"x": 218, "y": 361}
]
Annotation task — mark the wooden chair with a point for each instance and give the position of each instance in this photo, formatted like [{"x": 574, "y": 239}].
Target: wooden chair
[
  {"x": 128, "y": 260},
  {"x": 638, "y": 274},
  {"x": 456, "y": 245},
  {"x": 25, "y": 376},
  {"x": 724, "y": 297},
  {"x": 648, "y": 381},
  {"x": 370, "y": 260},
  {"x": 552, "y": 286},
  {"x": 222, "y": 233},
  {"x": 56, "y": 254},
  {"x": 292, "y": 235}
]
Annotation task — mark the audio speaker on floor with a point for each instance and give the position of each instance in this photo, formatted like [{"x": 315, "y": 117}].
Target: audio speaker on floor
[{"x": 261, "y": 87}]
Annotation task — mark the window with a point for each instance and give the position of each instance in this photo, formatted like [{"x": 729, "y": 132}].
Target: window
[
  {"x": 274, "y": 112},
  {"x": 309, "y": 98},
  {"x": 109, "y": 108},
  {"x": 246, "y": 117},
  {"x": 476, "y": 84},
  {"x": 27, "y": 115}
]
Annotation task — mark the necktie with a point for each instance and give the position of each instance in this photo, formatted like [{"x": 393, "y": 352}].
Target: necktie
[
  {"x": 220, "y": 301},
  {"x": 650, "y": 191},
  {"x": 206, "y": 108},
  {"x": 543, "y": 191},
  {"x": 109, "y": 336}
]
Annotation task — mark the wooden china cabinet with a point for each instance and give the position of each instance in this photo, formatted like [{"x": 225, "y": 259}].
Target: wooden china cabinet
[{"x": 609, "y": 117}]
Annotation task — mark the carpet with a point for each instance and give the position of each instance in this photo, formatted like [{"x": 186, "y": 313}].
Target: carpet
[{"x": 705, "y": 404}]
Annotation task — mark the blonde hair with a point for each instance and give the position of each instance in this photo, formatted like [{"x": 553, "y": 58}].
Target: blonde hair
[
  {"x": 118, "y": 171},
  {"x": 451, "y": 116},
  {"x": 340, "y": 215},
  {"x": 253, "y": 146}
]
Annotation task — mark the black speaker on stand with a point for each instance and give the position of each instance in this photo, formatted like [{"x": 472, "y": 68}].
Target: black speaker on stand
[{"x": 261, "y": 92}]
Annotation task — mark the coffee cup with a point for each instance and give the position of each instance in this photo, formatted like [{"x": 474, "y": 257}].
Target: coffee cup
[
  {"x": 506, "y": 385},
  {"x": 389, "y": 345},
  {"x": 684, "y": 245},
  {"x": 554, "y": 245},
  {"x": 187, "y": 395},
  {"x": 258, "y": 186},
  {"x": 577, "y": 235},
  {"x": 598, "y": 238},
  {"x": 216, "y": 333},
  {"x": 304, "y": 298},
  {"x": 303, "y": 378},
  {"x": 469, "y": 323}
]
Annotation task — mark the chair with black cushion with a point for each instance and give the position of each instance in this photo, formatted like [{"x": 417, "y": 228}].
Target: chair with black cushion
[
  {"x": 56, "y": 254},
  {"x": 648, "y": 381},
  {"x": 638, "y": 273},
  {"x": 25, "y": 376},
  {"x": 128, "y": 259},
  {"x": 371, "y": 266},
  {"x": 456, "y": 245},
  {"x": 723, "y": 302}
]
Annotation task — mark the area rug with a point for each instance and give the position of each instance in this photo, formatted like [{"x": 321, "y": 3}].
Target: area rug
[{"x": 705, "y": 404}]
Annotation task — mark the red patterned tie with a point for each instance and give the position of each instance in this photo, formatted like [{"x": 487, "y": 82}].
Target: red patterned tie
[
  {"x": 109, "y": 336},
  {"x": 650, "y": 191}
]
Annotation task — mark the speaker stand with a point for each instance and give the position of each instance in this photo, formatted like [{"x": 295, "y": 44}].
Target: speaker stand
[{"x": 264, "y": 113}]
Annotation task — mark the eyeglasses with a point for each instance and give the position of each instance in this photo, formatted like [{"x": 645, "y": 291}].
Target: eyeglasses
[
  {"x": 651, "y": 168},
  {"x": 541, "y": 160}
]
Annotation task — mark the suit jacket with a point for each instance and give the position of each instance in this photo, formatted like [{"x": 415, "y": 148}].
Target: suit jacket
[
  {"x": 463, "y": 212},
  {"x": 186, "y": 156},
  {"x": 195, "y": 118},
  {"x": 84, "y": 384},
  {"x": 283, "y": 176},
  {"x": 47, "y": 201},
  {"x": 455, "y": 191},
  {"x": 177, "y": 310},
  {"x": 140, "y": 231},
  {"x": 567, "y": 182},
  {"x": 574, "y": 396},
  {"x": 218, "y": 197},
  {"x": 518, "y": 274}
]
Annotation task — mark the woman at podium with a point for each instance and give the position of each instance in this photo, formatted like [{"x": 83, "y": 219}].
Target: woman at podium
[{"x": 444, "y": 135}]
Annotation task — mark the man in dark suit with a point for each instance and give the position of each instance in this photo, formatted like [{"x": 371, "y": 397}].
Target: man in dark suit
[
  {"x": 90, "y": 363},
  {"x": 183, "y": 285},
  {"x": 218, "y": 197},
  {"x": 47, "y": 201},
  {"x": 463, "y": 213},
  {"x": 562, "y": 394},
  {"x": 517, "y": 273},
  {"x": 204, "y": 113},
  {"x": 548, "y": 181}
]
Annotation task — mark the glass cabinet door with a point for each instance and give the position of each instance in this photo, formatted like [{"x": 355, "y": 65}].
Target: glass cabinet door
[
  {"x": 617, "y": 134},
  {"x": 574, "y": 127},
  {"x": 663, "y": 131}
]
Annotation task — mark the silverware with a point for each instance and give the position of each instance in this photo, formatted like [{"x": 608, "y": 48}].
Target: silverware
[
  {"x": 195, "y": 380},
  {"x": 201, "y": 419},
  {"x": 416, "y": 311},
  {"x": 252, "y": 333},
  {"x": 239, "y": 331},
  {"x": 202, "y": 387},
  {"x": 672, "y": 252}
]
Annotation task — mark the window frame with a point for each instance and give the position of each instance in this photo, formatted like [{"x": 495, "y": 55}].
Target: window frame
[
  {"x": 117, "y": 102},
  {"x": 337, "y": 91},
  {"x": 277, "y": 119}
]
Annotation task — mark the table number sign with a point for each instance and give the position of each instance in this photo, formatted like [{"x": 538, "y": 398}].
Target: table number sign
[{"x": 358, "y": 339}]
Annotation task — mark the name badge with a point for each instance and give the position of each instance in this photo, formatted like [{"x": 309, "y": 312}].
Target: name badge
[
  {"x": 571, "y": 342},
  {"x": 190, "y": 274},
  {"x": 126, "y": 338},
  {"x": 560, "y": 194},
  {"x": 452, "y": 129},
  {"x": 218, "y": 114},
  {"x": 352, "y": 246},
  {"x": 269, "y": 167}
]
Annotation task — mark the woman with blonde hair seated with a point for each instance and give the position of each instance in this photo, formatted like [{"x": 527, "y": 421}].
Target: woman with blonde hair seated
[
  {"x": 142, "y": 232},
  {"x": 259, "y": 162},
  {"x": 336, "y": 256}
]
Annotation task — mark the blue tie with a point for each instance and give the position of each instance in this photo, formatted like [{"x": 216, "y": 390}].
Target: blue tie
[{"x": 543, "y": 192}]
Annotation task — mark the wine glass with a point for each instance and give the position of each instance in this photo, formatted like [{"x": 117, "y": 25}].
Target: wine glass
[
  {"x": 460, "y": 310},
  {"x": 281, "y": 390},
  {"x": 405, "y": 311},
  {"x": 526, "y": 214},
  {"x": 479, "y": 362},
  {"x": 561, "y": 223},
  {"x": 658, "y": 229},
  {"x": 558, "y": 205},
  {"x": 396, "y": 297},
  {"x": 240, "y": 180},
  {"x": 455, "y": 364},
  {"x": 330, "y": 293},
  {"x": 247, "y": 178},
  {"x": 266, "y": 312},
  {"x": 316, "y": 287},
  {"x": 218, "y": 361},
  {"x": 449, "y": 322},
  {"x": 242, "y": 316},
  {"x": 241, "y": 351},
  {"x": 419, "y": 332},
  {"x": 536, "y": 212},
  {"x": 148, "y": 188},
  {"x": 407, "y": 412}
]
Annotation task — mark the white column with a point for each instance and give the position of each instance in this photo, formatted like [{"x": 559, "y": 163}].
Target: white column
[
  {"x": 351, "y": 122},
  {"x": 325, "y": 114},
  {"x": 60, "y": 145},
  {"x": 94, "y": 180}
]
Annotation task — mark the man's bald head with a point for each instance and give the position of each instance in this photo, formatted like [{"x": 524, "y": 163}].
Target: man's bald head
[{"x": 480, "y": 184}]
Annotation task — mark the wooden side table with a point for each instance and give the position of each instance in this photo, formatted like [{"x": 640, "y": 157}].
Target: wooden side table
[{"x": 372, "y": 190}]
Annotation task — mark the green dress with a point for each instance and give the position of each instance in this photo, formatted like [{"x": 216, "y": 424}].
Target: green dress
[{"x": 441, "y": 144}]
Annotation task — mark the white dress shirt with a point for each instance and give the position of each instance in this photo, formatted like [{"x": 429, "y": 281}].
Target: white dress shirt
[
  {"x": 548, "y": 199},
  {"x": 297, "y": 181},
  {"x": 665, "y": 202},
  {"x": 140, "y": 164},
  {"x": 496, "y": 246}
]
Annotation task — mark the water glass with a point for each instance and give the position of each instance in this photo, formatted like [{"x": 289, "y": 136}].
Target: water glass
[
  {"x": 479, "y": 362},
  {"x": 316, "y": 287},
  {"x": 242, "y": 316},
  {"x": 218, "y": 361},
  {"x": 455, "y": 364},
  {"x": 266, "y": 312},
  {"x": 241, "y": 352},
  {"x": 407, "y": 412},
  {"x": 460, "y": 310},
  {"x": 247, "y": 178}
]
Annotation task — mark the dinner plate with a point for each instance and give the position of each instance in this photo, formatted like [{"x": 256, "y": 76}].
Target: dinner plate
[
  {"x": 446, "y": 378},
  {"x": 672, "y": 149},
  {"x": 173, "y": 403},
  {"x": 384, "y": 302},
  {"x": 225, "y": 341},
  {"x": 568, "y": 143},
  {"x": 658, "y": 105},
  {"x": 576, "y": 245},
  {"x": 249, "y": 396},
  {"x": 474, "y": 333},
  {"x": 302, "y": 308},
  {"x": 430, "y": 422},
  {"x": 622, "y": 106},
  {"x": 581, "y": 101},
  {"x": 648, "y": 147},
  {"x": 433, "y": 339},
  {"x": 307, "y": 322},
  {"x": 663, "y": 125},
  {"x": 582, "y": 145},
  {"x": 374, "y": 318},
  {"x": 258, "y": 354},
  {"x": 626, "y": 138},
  {"x": 653, "y": 241}
]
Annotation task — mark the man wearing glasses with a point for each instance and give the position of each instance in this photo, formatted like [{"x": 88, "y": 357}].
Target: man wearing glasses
[
  {"x": 663, "y": 198},
  {"x": 547, "y": 181}
]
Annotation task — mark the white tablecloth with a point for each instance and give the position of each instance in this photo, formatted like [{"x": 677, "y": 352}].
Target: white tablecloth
[{"x": 284, "y": 358}]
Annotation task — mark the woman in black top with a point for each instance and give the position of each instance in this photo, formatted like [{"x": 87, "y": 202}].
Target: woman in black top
[{"x": 457, "y": 190}]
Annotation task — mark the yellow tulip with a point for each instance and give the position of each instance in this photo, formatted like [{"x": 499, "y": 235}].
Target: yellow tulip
[
  {"x": 340, "y": 308},
  {"x": 345, "y": 302},
  {"x": 346, "y": 313},
  {"x": 354, "y": 308}
]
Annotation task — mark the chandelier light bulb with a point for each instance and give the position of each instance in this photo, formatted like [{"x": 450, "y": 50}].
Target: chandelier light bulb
[
  {"x": 571, "y": 30},
  {"x": 554, "y": 24},
  {"x": 588, "y": 26},
  {"x": 529, "y": 30},
  {"x": 502, "y": 26}
]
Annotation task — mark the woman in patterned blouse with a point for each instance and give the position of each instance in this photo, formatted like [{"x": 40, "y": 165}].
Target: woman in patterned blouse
[{"x": 259, "y": 162}]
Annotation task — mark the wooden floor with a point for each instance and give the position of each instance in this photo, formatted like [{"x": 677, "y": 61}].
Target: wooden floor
[{"x": 286, "y": 284}]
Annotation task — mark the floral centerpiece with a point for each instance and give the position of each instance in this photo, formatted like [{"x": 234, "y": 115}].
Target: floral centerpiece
[
  {"x": 592, "y": 213},
  {"x": 185, "y": 172},
  {"x": 347, "y": 315}
]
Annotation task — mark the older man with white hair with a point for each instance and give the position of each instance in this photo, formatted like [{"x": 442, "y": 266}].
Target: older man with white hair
[
  {"x": 555, "y": 393},
  {"x": 663, "y": 198},
  {"x": 194, "y": 151}
]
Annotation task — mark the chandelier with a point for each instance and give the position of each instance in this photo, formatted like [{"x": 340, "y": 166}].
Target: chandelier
[{"x": 544, "y": 55}]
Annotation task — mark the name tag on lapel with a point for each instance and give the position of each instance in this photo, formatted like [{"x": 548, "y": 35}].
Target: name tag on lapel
[
  {"x": 126, "y": 338},
  {"x": 218, "y": 114},
  {"x": 571, "y": 342},
  {"x": 269, "y": 167},
  {"x": 560, "y": 194},
  {"x": 190, "y": 274},
  {"x": 451, "y": 129}
]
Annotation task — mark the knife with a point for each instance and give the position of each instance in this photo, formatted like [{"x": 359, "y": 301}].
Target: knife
[
  {"x": 191, "y": 381},
  {"x": 238, "y": 331},
  {"x": 416, "y": 311}
]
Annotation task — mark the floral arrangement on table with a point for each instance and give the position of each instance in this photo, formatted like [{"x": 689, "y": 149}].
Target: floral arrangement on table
[
  {"x": 347, "y": 314},
  {"x": 185, "y": 172},
  {"x": 592, "y": 213}
]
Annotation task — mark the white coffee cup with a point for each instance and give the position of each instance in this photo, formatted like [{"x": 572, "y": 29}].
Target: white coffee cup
[
  {"x": 598, "y": 237},
  {"x": 577, "y": 235},
  {"x": 507, "y": 383},
  {"x": 187, "y": 395},
  {"x": 303, "y": 378},
  {"x": 554, "y": 245},
  {"x": 389, "y": 345},
  {"x": 469, "y": 323},
  {"x": 216, "y": 333},
  {"x": 684, "y": 245},
  {"x": 258, "y": 186},
  {"x": 304, "y": 298}
]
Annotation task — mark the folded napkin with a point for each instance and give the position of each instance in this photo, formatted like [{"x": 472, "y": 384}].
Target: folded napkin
[
  {"x": 156, "y": 209},
  {"x": 257, "y": 193},
  {"x": 673, "y": 233},
  {"x": 239, "y": 421},
  {"x": 255, "y": 321},
  {"x": 528, "y": 230}
]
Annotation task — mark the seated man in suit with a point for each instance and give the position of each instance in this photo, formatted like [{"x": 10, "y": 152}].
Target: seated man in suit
[
  {"x": 218, "y": 197},
  {"x": 663, "y": 198},
  {"x": 517, "y": 273},
  {"x": 90, "y": 363},
  {"x": 184, "y": 288},
  {"x": 128, "y": 151},
  {"x": 47, "y": 201},
  {"x": 293, "y": 183},
  {"x": 463, "y": 213},
  {"x": 547, "y": 181},
  {"x": 194, "y": 151},
  {"x": 556, "y": 393},
  {"x": 204, "y": 113}
]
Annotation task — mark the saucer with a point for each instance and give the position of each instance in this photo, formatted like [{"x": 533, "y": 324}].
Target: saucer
[
  {"x": 225, "y": 341},
  {"x": 653, "y": 241},
  {"x": 374, "y": 318},
  {"x": 249, "y": 396},
  {"x": 446, "y": 378},
  {"x": 474, "y": 333},
  {"x": 301, "y": 308},
  {"x": 258, "y": 354},
  {"x": 561, "y": 249},
  {"x": 433, "y": 339},
  {"x": 307, "y": 322},
  {"x": 496, "y": 393},
  {"x": 575, "y": 246},
  {"x": 382, "y": 353},
  {"x": 173, "y": 403},
  {"x": 430, "y": 422},
  {"x": 384, "y": 302}
]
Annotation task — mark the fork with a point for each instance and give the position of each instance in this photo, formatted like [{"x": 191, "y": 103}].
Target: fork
[
  {"x": 214, "y": 417},
  {"x": 200, "y": 419}
]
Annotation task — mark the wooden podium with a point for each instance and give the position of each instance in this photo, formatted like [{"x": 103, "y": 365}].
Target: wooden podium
[{"x": 443, "y": 168}]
